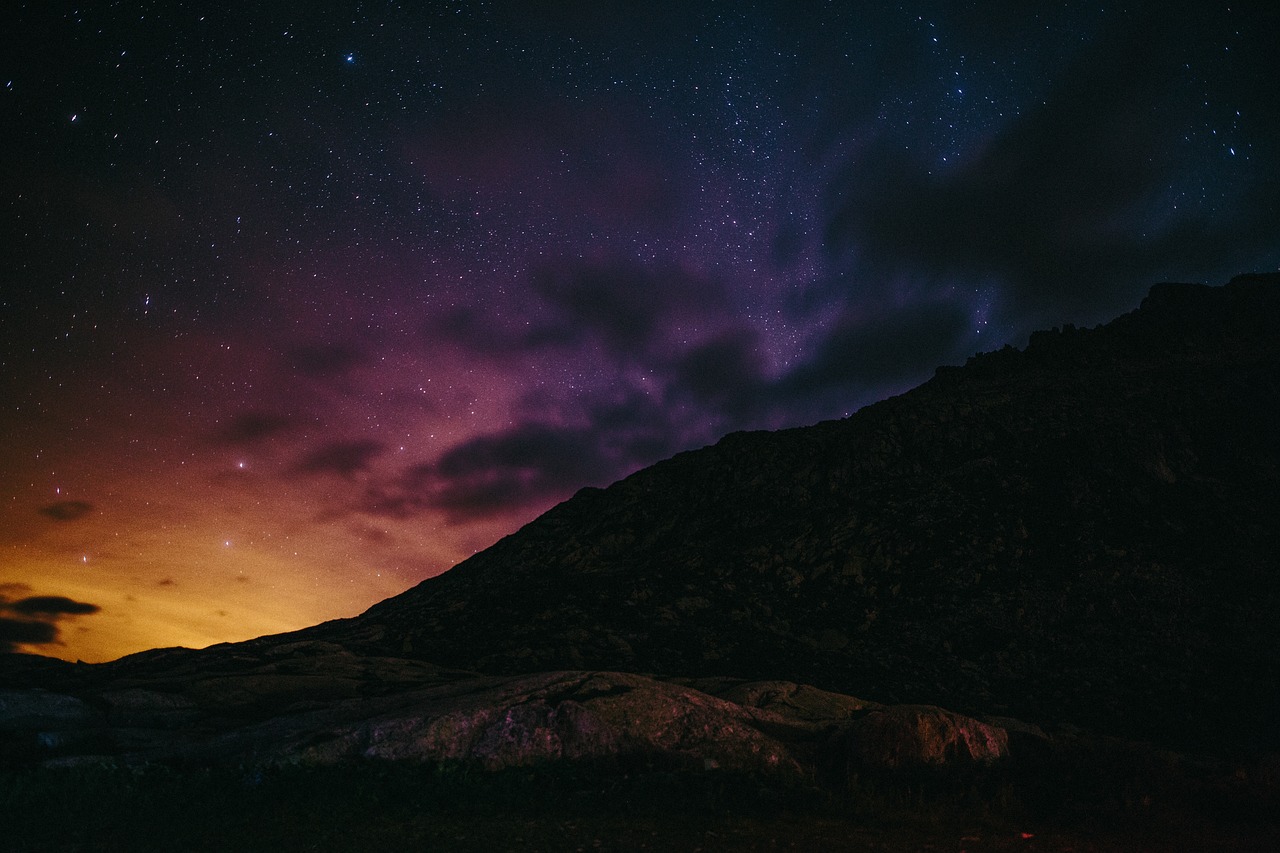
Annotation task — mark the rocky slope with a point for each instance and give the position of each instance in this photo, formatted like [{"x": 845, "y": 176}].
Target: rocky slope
[
  {"x": 271, "y": 703},
  {"x": 1081, "y": 532}
]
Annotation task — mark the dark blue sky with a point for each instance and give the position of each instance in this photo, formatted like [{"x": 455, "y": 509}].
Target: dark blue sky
[{"x": 304, "y": 302}]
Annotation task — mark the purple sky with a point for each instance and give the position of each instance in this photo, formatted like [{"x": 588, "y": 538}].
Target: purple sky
[{"x": 303, "y": 303}]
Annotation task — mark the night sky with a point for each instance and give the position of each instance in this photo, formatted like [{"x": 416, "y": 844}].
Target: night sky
[{"x": 304, "y": 302}]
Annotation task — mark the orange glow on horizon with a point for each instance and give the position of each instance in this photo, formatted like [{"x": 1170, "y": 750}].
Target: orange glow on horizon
[{"x": 182, "y": 538}]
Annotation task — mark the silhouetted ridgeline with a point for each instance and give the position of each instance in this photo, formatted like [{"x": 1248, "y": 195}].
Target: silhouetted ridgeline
[{"x": 1084, "y": 531}]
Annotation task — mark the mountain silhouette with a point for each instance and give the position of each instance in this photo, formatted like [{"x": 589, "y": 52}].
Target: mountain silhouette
[
  {"x": 1084, "y": 532},
  {"x": 1081, "y": 535}
]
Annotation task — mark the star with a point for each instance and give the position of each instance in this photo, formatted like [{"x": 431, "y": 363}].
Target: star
[{"x": 503, "y": 262}]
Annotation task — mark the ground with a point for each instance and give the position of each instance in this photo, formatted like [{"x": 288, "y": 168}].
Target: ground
[{"x": 393, "y": 808}]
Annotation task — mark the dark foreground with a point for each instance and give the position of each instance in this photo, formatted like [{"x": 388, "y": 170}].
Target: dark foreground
[{"x": 378, "y": 807}]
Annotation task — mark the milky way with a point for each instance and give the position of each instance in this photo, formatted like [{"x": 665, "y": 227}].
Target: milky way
[{"x": 304, "y": 303}]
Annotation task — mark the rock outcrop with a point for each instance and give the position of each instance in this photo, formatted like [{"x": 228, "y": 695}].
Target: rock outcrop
[{"x": 318, "y": 704}]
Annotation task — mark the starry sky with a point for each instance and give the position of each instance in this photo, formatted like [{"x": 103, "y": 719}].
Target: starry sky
[{"x": 304, "y": 302}]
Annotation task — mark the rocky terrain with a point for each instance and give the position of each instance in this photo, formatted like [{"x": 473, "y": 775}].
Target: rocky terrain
[
  {"x": 288, "y": 743},
  {"x": 315, "y": 703},
  {"x": 1055, "y": 569}
]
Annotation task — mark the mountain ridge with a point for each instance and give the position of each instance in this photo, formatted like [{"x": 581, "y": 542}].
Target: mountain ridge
[
  {"x": 1076, "y": 532},
  {"x": 1038, "y": 593}
]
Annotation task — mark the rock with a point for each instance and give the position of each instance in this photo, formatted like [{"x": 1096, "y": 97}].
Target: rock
[
  {"x": 913, "y": 736},
  {"x": 239, "y": 710},
  {"x": 800, "y": 702},
  {"x": 522, "y": 720},
  {"x": 138, "y": 707},
  {"x": 270, "y": 690},
  {"x": 37, "y": 723},
  {"x": 36, "y": 708}
]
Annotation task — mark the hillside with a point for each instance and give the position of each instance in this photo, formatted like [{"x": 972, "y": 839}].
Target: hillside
[{"x": 1081, "y": 532}]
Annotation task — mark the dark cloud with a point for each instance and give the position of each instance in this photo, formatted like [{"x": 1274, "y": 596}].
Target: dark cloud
[
  {"x": 724, "y": 373},
  {"x": 893, "y": 348},
  {"x": 683, "y": 369},
  {"x": 524, "y": 465},
  {"x": 324, "y": 360},
  {"x": 532, "y": 464},
  {"x": 67, "y": 510},
  {"x": 17, "y": 632},
  {"x": 344, "y": 458},
  {"x": 248, "y": 427},
  {"x": 1065, "y": 208},
  {"x": 51, "y": 605},
  {"x": 33, "y": 620},
  {"x": 631, "y": 431},
  {"x": 628, "y": 308}
]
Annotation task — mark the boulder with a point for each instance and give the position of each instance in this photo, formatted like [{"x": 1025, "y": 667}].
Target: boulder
[
  {"x": 523, "y": 720},
  {"x": 37, "y": 708},
  {"x": 914, "y": 736}
]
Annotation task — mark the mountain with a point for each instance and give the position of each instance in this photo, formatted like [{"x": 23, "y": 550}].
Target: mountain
[
  {"x": 1040, "y": 587},
  {"x": 1081, "y": 532}
]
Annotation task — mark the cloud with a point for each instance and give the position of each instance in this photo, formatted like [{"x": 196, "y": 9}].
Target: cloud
[
  {"x": 343, "y": 458},
  {"x": 248, "y": 427},
  {"x": 18, "y": 632},
  {"x": 628, "y": 308},
  {"x": 675, "y": 327},
  {"x": 631, "y": 313},
  {"x": 633, "y": 430},
  {"x": 51, "y": 605},
  {"x": 724, "y": 373},
  {"x": 531, "y": 464},
  {"x": 676, "y": 367},
  {"x": 1062, "y": 207},
  {"x": 33, "y": 620},
  {"x": 886, "y": 349},
  {"x": 67, "y": 510},
  {"x": 498, "y": 472}
]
